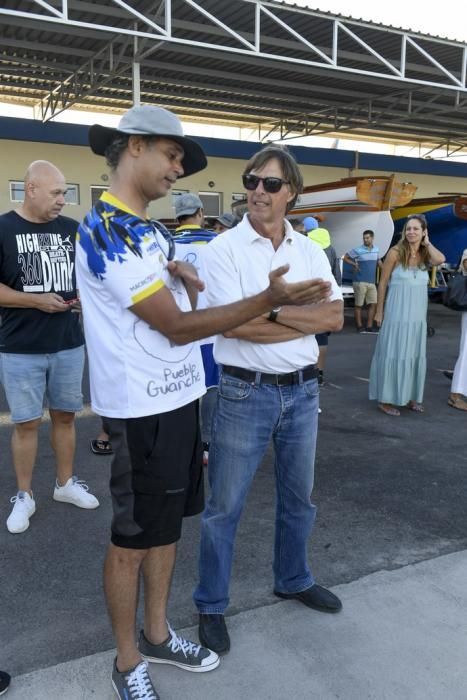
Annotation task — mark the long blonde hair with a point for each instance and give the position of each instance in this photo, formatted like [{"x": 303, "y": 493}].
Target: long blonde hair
[{"x": 403, "y": 248}]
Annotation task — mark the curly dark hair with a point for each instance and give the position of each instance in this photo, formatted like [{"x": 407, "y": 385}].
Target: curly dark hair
[{"x": 114, "y": 150}]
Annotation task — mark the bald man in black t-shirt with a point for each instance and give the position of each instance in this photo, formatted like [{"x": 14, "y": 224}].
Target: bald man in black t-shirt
[{"x": 41, "y": 342}]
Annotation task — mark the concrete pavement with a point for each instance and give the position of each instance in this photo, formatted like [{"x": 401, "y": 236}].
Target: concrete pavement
[
  {"x": 390, "y": 494},
  {"x": 400, "y": 636}
]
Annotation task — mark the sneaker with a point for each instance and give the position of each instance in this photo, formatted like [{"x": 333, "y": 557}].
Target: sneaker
[
  {"x": 360, "y": 329},
  {"x": 373, "y": 329},
  {"x": 76, "y": 492},
  {"x": 179, "y": 652},
  {"x": 24, "y": 507},
  {"x": 134, "y": 684},
  {"x": 4, "y": 677}
]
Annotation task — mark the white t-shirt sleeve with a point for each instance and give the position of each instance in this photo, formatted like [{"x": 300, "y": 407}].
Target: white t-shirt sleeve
[{"x": 133, "y": 279}]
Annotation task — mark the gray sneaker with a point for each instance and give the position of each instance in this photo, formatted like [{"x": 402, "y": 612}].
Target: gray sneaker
[
  {"x": 179, "y": 652},
  {"x": 134, "y": 684}
]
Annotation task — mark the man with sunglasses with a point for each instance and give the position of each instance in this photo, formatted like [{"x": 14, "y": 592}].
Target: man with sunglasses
[
  {"x": 268, "y": 389},
  {"x": 146, "y": 378}
]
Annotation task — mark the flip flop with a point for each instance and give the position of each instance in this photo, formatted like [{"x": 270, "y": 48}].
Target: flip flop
[
  {"x": 389, "y": 410},
  {"x": 101, "y": 447},
  {"x": 460, "y": 404},
  {"x": 417, "y": 407}
]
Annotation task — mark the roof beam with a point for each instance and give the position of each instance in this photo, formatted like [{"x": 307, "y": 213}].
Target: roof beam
[{"x": 243, "y": 46}]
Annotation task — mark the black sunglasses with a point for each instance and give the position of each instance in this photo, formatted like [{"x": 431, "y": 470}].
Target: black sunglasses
[
  {"x": 270, "y": 184},
  {"x": 164, "y": 239}
]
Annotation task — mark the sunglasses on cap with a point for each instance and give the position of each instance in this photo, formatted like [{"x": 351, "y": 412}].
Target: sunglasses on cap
[{"x": 270, "y": 184}]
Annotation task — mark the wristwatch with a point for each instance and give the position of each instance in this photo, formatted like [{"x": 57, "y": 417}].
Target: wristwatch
[{"x": 273, "y": 315}]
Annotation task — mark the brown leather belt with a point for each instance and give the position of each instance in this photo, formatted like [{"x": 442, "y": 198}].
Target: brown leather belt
[{"x": 297, "y": 377}]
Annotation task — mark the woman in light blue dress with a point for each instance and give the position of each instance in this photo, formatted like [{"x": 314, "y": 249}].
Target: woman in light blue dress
[{"x": 398, "y": 368}]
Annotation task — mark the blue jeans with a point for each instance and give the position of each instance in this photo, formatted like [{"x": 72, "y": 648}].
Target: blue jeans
[
  {"x": 246, "y": 417},
  {"x": 28, "y": 377}
]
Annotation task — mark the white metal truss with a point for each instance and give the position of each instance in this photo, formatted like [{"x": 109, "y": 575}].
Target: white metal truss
[
  {"x": 329, "y": 56},
  {"x": 290, "y": 70}
]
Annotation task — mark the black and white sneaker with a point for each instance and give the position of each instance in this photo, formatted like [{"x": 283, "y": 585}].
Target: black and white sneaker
[
  {"x": 179, "y": 652},
  {"x": 5, "y": 680},
  {"x": 134, "y": 684}
]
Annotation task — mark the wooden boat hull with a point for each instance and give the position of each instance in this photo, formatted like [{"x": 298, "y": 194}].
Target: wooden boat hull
[{"x": 350, "y": 206}]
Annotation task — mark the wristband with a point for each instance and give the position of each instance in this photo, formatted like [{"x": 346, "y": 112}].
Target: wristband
[{"x": 273, "y": 315}]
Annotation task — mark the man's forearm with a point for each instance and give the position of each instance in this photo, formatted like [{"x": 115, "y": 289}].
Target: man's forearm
[
  {"x": 14, "y": 299},
  {"x": 315, "y": 318},
  {"x": 260, "y": 330}
]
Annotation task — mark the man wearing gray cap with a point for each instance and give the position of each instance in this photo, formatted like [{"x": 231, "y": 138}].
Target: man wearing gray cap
[
  {"x": 147, "y": 377},
  {"x": 189, "y": 210},
  {"x": 191, "y": 234},
  {"x": 224, "y": 222}
]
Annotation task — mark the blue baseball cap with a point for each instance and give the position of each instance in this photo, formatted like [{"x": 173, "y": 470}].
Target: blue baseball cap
[{"x": 310, "y": 223}]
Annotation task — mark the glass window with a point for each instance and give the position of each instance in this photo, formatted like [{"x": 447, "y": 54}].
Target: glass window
[
  {"x": 212, "y": 203},
  {"x": 17, "y": 192},
  {"x": 96, "y": 191},
  {"x": 72, "y": 194}
]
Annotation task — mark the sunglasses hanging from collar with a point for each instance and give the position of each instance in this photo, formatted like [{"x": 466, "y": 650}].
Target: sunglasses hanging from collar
[{"x": 164, "y": 239}]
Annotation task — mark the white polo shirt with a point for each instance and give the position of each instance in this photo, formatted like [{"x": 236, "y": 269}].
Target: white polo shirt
[{"x": 237, "y": 265}]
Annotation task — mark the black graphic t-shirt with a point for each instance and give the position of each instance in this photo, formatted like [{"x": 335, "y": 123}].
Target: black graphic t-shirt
[{"x": 38, "y": 258}]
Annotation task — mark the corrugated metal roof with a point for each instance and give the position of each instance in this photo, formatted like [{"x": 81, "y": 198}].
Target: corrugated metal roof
[{"x": 237, "y": 61}]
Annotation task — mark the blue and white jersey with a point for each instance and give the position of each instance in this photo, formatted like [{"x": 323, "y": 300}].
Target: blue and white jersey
[{"x": 135, "y": 370}]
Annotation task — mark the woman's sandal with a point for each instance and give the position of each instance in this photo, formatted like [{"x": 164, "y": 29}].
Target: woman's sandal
[
  {"x": 101, "y": 447},
  {"x": 417, "y": 407},
  {"x": 458, "y": 403},
  {"x": 389, "y": 410}
]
